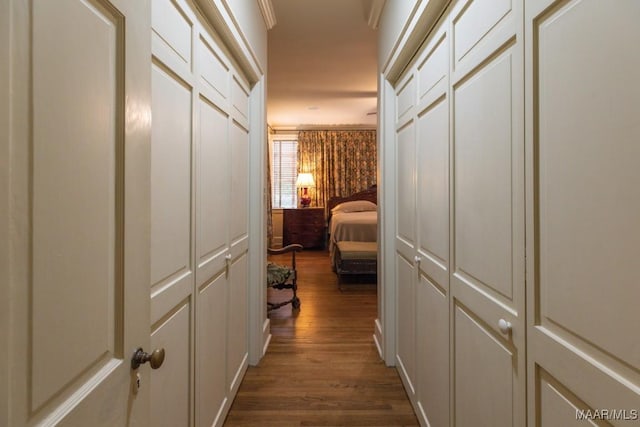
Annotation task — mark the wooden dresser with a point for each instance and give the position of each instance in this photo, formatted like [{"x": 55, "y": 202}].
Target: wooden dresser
[{"x": 305, "y": 226}]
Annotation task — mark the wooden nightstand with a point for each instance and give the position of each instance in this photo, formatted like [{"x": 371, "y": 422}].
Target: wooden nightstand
[{"x": 305, "y": 226}]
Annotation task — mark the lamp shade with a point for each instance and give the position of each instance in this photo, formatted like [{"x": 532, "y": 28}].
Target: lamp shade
[{"x": 305, "y": 180}]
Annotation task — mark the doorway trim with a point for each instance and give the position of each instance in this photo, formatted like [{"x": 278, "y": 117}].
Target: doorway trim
[{"x": 5, "y": 204}]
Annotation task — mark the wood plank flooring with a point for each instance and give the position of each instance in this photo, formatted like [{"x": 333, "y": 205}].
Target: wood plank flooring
[{"x": 322, "y": 367}]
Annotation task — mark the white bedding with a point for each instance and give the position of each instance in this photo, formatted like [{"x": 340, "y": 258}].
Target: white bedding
[{"x": 352, "y": 226}]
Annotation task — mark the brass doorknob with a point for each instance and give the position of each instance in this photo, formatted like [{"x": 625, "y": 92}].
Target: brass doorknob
[{"x": 155, "y": 359}]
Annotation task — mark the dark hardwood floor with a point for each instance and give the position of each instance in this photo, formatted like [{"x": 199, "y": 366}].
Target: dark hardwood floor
[{"x": 322, "y": 367}]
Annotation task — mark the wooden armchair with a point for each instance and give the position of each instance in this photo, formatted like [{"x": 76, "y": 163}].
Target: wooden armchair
[{"x": 284, "y": 276}]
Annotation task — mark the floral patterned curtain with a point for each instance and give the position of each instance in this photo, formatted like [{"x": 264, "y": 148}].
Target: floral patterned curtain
[{"x": 342, "y": 162}]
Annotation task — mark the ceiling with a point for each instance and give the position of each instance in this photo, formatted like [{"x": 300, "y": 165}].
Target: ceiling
[{"x": 322, "y": 67}]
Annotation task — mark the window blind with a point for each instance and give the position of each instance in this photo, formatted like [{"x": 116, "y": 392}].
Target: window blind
[{"x": 284, "y": 171}]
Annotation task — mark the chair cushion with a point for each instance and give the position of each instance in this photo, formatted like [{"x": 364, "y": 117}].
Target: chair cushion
[{"x": 277, "y": 274}]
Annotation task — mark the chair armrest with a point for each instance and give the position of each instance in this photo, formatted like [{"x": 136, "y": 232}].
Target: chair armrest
[{"x": 289, "y": 248}]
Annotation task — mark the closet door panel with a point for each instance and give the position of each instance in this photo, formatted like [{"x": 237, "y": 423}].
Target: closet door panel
[
  {"x": 559, "y": 406},
  {"x": 238, "y": 224},
  {"x": 199, "y": 225},
  {"x": 406, "y": 336},
  {"x": 405, "y": 99},
  {"x": 171, "y": 271},
  {"x": 210, "y": 360},
  {"x": 214, "y": 72},
  {"x": 172, "y": 25},
  {"x": 432, "y": 230},
  {"x": 589, "y": 211},
  {"x": 240, "y": 101},
  {"x": 433, "y": 71},
  {"x": 405, "y": 190},
  {"x": 171, "y": 174},
  {"x": 483, "y": 183},
  {"x": 406, "y": 272},
  {"x": 433, "y": 191},
  {"x": 74, "y": 211},
  {"x": 480, "y": 28},
  {"x": 432, "y": 352},
  {"x": 171, "y": 246},
  {"x": 212, "y": 164},
  {"x": 487, "y": 286},
  {"x": 432, "y": 170},
  {"x": 171, "y": 387},
  {"x": 483, "y": 373},
  {"x": 237, "y": 338},
  {"x": 172, "y": 242},
  {"x": 76, "y": 239},
  {"x": 487, "y": 282},
  {"x": 585, "y": 212}
]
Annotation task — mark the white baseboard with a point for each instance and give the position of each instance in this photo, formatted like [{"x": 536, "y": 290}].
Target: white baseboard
[
  {"x": 377, "y": 338},
  {"x": 266, "y": 335}
]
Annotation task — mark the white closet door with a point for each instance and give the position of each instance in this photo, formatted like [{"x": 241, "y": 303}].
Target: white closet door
[
  {"x": 172, "y": 242},
  {"x": 79, "y": 213},
  {"x": 583, "y": 99},
  {"x": 487, "y": 277},
  {"x": 212, "y": 278},
  {"x": 190, "y": 239},
  {"x": 200, "y": 152},
  {"x": 406, "y": 271},
  {"x": 432, "y": 229},
  {"x": 238, "y": 333}
]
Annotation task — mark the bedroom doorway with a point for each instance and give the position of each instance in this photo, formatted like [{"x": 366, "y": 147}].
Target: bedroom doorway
[
  {"x": 324, "y": 194},
  {"x": 322, "y": 120}
]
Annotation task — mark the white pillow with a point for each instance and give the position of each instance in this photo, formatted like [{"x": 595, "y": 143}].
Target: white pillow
[{"x": 355, "y": 206}]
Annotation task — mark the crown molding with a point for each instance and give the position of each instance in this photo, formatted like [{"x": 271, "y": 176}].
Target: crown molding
[
  {"x": 294, "y": 129},
  {"x": 421, "y": 21},
  {"x": 268, "y": 14},
  {"x": 219, "y": 16},
  {"x": 374, "y": 13}
]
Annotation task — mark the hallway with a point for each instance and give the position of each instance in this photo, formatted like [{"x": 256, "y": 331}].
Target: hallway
[{"x": 322, "y": 366}]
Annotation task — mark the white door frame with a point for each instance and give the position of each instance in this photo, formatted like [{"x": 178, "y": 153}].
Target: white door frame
[
  {"x": 5, "y": 160},
  {"x": 259, "y": 326}
]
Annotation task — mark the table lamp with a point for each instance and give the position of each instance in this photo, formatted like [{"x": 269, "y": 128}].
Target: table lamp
[{"x": 304, "y": 181}]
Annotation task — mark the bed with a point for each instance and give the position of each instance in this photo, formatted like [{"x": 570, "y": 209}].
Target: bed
[{"x": 352, "y": 219}]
